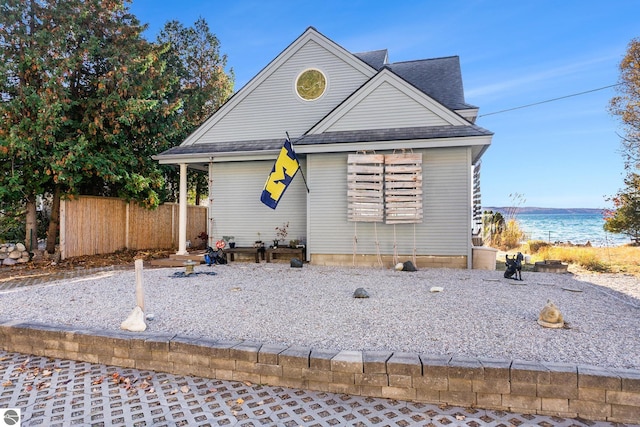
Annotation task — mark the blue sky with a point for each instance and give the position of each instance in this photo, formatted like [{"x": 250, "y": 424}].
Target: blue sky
[{"x": 562, "y": 154}]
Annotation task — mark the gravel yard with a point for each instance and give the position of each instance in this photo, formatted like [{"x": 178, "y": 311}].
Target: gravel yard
[{"x": 478, "y": 313}]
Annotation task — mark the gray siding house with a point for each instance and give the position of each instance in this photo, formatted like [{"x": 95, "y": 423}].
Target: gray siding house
[{"x": 353, "y": 120}]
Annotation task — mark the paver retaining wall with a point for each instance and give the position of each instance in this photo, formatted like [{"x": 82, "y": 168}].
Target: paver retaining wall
[{"x": 518, "y": 386}]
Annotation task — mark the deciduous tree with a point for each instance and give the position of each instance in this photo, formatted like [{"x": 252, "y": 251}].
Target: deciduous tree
[
  {"x": 625, "y": 217},
  {"x": 626, "y": 105}
]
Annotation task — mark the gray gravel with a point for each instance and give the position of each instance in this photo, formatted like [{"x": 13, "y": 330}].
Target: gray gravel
[{"x": 478, "y": 313}]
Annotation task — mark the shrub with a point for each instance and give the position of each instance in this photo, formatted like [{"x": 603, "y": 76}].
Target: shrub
[
  {"x": 536, "y": 245},
  {"x": 509, "y": 237}
]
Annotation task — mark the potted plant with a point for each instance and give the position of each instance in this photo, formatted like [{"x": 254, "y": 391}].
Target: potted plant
[
  {"x": 281, "y": 234},
  {"x": 230, "y": 240}
]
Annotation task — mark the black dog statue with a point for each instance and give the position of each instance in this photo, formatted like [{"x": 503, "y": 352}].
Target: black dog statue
[{"x": 514, "y": 267}]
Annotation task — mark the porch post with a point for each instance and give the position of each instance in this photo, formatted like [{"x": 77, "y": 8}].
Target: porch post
[
  {"x": 182, "y": 217},
  {"x": 211, "y": 240}
]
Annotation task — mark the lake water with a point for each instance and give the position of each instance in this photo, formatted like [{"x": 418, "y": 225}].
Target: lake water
[{"x": 577, "y": 228}]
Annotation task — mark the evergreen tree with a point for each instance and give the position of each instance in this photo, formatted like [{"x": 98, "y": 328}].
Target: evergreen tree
[
  {"x": 625, "y": 218},
  {"x": 194, "y": 56},
  {"x": 84, "y": 104}
]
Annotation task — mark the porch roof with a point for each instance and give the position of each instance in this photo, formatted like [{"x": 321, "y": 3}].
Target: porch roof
[{"x": 370, "y": 139}]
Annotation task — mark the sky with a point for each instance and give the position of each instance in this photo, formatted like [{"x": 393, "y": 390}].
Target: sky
[{"x": 559, "y": 154}]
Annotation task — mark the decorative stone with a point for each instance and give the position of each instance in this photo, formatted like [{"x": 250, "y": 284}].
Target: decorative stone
[
  {"x": 296, "y": 263},
  {"x": 360, "y": 293},
  {"x": 15, "y": 254},
  {"x": 408, "y": 266},
  {"x": 550, "y": 316},
  {"x": 436, "y": 289},
  {"x": 135, "y": 321},
  {"x": 399, "y": 266},
  {"x": 9, "y": 261},
  {"x": 21, "y": 247}
]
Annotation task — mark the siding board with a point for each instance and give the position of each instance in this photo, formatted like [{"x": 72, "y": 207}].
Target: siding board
[
  {"x": 237, "y": 210},
  {"x": 387, "y": 107},
  {"x": 285, "y": 111},
  {"x": 446, "y": 207}
]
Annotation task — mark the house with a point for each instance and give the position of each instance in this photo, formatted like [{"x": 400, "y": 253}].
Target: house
[{"x": 389, "y": 156}]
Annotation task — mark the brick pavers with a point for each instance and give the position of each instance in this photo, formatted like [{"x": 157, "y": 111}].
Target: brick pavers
[{"x": 57, "y": 393}]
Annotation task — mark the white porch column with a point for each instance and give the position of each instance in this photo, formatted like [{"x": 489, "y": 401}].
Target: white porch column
[
  {"x": 182, "y": 217},
  {"x": 211, "y": 242}
]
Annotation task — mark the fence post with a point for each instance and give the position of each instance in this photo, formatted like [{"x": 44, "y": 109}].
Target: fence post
[{"x": 63, "y": 229}]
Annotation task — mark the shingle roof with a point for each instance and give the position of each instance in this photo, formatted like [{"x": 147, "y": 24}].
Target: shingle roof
[
  {"x": 375, "y": 58},
  {"x": 439, "y": 78},
  {"x": 344, "y": 137},
  {"x": 393, "y": 134}
]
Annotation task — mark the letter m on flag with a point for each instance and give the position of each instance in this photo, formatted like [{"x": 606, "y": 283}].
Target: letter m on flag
[{"x": 281, "y": 175}]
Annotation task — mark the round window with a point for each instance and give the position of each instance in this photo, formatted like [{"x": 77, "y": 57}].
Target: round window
[{"x": 311, "y": 84}]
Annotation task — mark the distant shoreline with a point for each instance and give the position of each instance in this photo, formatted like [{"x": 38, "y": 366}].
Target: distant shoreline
[{"x": 542, "y": 211}]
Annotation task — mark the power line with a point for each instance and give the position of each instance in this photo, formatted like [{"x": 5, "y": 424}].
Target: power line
[{"x": 550, "y": 100}]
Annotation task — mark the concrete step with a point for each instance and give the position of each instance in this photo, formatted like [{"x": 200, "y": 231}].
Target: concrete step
[{"x": 175, "y": 260}]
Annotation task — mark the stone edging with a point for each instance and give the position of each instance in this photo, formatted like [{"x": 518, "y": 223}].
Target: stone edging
[{"x": 563, "y": 390}]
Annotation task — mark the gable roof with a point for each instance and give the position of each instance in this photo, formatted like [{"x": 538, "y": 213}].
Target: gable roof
[
  {"x": 371, "y": 104},
  {"x": 225, "y": 114},
  {"x": 429, "y": 91}
]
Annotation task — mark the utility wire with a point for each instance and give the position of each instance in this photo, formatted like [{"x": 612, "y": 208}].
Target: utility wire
[{"x": 550, "y": 100}]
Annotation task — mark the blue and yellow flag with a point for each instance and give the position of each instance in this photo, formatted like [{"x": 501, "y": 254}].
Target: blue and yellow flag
[{"x": 281, "y": 175}]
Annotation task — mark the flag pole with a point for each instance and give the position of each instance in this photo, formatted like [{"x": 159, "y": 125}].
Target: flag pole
[{"x": 299, "y": 167}]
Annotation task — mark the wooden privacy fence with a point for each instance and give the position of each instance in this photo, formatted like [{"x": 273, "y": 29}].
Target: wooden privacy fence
[{"x": 100, "y": 225}]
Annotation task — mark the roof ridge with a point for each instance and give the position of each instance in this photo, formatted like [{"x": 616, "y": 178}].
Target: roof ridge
[{"x": 425, "y": 59}]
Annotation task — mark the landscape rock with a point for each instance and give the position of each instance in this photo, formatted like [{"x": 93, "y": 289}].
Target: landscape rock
[
  {"x": 14, "y": 252},
  {"x": 135, "y": 321},
  {"x": 9, "y": 261},
  {"x": 360, "y": 293},
  {"x": 296, "y": 263},
  {"x": 409, "y": 266},
  {"x": 399, "y": 266},
  {"x": 550, "y": 316}
]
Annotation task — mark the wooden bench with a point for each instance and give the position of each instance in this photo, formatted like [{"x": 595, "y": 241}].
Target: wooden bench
[
  {"x": 244, "y": 250},
  {"x": 300, "y": 252}
]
